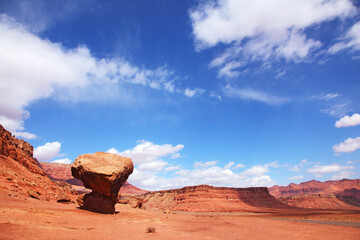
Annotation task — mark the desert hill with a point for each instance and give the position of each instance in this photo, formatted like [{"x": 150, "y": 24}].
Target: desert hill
[
  {"x": 204, "y": 198},
  {"x": 21, "y": 175},
  {"x": 344, "y": 187}
]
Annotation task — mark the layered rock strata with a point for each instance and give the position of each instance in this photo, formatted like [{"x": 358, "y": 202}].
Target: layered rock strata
[
  {"x": 104, "y": 174},
  {"x": 204, "y": 198},
  {"x": 20, "y": 173}
]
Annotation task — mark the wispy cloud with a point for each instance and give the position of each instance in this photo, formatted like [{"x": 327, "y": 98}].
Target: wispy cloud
[
  {"x": 351, "y": 40},
  {"x": 254, "y": 95},
  {"x": 260, "y": 31},
  {"x": 70, "y": 75}
]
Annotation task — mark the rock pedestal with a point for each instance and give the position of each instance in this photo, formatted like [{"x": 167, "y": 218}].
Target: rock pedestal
[{"x": 104, "y": 174}]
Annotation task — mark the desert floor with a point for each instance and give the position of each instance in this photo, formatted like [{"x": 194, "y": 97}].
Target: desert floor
[{"x": 35, "y": 219}]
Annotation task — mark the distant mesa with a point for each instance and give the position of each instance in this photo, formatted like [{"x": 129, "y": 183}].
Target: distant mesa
[
  {"x": 104, "y": 174},
  {"x": 344, "y": 187},
  {"x": 205, "y": 198}
]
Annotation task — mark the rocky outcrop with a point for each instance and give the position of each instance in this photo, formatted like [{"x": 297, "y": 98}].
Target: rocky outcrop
[
  {"x": 20, "y": 174},
  {"x": 104, "y": 174},
  {"x": 345, "y": 187},
  {"x": 321, "y": 201},
  {"x": 204, "y": 198},
  {"x": 62, "y": 172},
  {"x": 18, "y": 150}
]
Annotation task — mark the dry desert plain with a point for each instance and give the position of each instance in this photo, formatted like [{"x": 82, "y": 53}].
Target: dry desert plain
[{"x": 39, "y": 219}]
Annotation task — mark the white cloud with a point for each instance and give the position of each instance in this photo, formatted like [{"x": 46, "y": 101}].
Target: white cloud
[
  {"x": 297, "y": 177},
  {"x": 330, "y": 96},
  {"x": 172, "y": 168},
  {"x": 204, "y": 164},
  {"x": 348, "y": 121},
  {"x": 239, "y": 165},
  {"x": 299, "y": 166},
  {"x": 349, "y": 145},
  {"x": 64, "y": 160},
  {"x": 351, "y": 40},
  {"x": 262, "y": 30},
  {"x": 147, "y": 152},
  {"x": 47, "y": 151},
  {"x": 193, "y": 93},
  {"x": 342, "y": 175},
  {"x": 33, "y": 68},
  {"x": 229, "y": 165},
  {"x": 152, "y": 166},
  {"x": 320, "y": 169},
  {"x": 256, "y": 170},
  {"x": 255, "y": 95}
]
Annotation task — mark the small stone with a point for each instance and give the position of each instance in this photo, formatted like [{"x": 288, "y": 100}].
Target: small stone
[
  {"x": 63, "y": 197},
  {"x": 34, "y": 194}
]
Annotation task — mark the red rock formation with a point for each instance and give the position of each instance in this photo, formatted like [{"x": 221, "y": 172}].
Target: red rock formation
[
  {"x": 321, "y": 201},
  {"x": 345, "y": 187},
  {"x": 62, "y": 172},
  {"x": 104, "y": 173},
  {"x": 204, "y": 198},
  {"x": 18, "y": 150},
  {"x": 20, "y": 174}
]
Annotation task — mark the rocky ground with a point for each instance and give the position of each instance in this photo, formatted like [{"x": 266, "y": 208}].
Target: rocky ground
[{"x": 39, "y": 219}]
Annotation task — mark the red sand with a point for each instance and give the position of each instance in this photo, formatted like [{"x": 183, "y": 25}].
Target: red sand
[{"x": 36, "y": 219}]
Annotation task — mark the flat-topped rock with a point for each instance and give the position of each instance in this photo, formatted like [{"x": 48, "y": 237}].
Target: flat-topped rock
[{"x": 103, "y": 173}]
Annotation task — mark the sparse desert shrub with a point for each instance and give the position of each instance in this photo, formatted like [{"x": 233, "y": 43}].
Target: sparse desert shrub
[{"x": 151, "y": 230}]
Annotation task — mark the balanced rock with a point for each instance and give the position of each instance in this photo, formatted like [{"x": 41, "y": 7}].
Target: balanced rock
[{"x": 104, "y": 174}]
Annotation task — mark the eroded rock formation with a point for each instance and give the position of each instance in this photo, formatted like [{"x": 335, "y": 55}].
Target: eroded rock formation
[
  {"x": 104, "y": 174},
  {"x": 62, "y": 172},
  {"x": 344, "y": 187},
  {"x": 321, "y": 201},
  {"x": 204, "y": 198},
  {"x": 20, "y": 174}
]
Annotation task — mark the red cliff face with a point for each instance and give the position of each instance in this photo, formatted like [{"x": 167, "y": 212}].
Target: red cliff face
[
  {"x": 204, "y": 198},
  {"x": 345, "y": 187},
  {"x": 20, "y": 174},
  {"x": 62, "y": 172},
  {"x": 321, "y": 201},
  {"x": 18, "y": 150}
]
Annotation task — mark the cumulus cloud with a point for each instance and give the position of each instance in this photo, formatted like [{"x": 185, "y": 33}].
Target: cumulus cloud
[
  {"x": 47, "y": 151},
  {"x": 261, "y": 30},
  {"x": 63, "y": 160},
  {"x": 349, "y": 145},
  {"x": 155, "y": 169},
  {"x": 320, "y": 169},
  {"x": 296, "y": 177},
  {"x": 348, "y": 121},
  {"x": 254, "y": 95},
  {"x": 34, "y": 68},
  {"x": 351, "y": 40},
  {"x": 145, "y": 151}
]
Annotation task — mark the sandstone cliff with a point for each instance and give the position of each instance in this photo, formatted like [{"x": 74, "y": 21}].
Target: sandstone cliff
[
  {"x": 204, "y": 198},
  {"x": 345, "y": 187},
  {"x": 321, "y": 201},
  {"x": 20, "y": 174}
]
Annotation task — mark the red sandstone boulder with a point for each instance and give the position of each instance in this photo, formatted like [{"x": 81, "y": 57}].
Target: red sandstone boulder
[{"x": 104, "y": 174}]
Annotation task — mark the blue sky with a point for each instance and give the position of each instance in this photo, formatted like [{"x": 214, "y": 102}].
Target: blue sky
[{"x": 226, "y": 93}]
